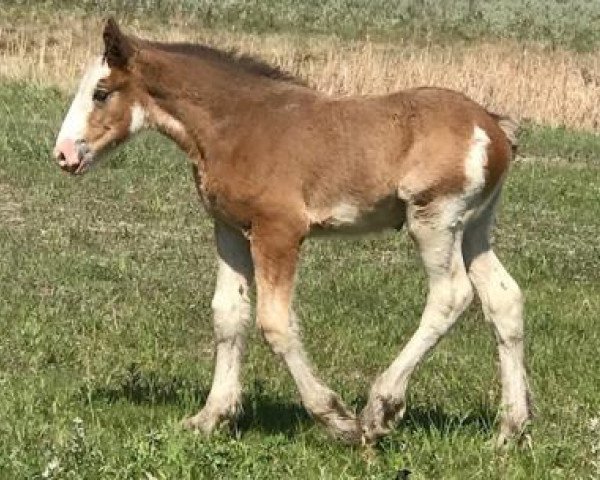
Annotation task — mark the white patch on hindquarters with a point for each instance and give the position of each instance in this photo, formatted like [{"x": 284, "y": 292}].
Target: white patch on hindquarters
[
  {"x": 476, "y": 161},
  {"x": 75, "y": 123}
]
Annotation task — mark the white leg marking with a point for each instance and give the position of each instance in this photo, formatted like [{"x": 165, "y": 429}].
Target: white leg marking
[
  {"x": 231, "y": 309},
  {"x": 283, "y": 337},
  {"x": 450, "y": 292},
  {"x": 322, "y": 402},
  {"x": 502, "y": 303}
]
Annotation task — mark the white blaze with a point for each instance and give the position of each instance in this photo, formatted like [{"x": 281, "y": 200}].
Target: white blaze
[{"x": 75, "y": 122}]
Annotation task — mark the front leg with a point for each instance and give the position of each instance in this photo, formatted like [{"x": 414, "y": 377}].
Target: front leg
[
  {"x": 231, "y": 313},
  {"x": 275, "y": 251}
]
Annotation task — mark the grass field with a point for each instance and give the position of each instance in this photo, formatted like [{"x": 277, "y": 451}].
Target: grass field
[
  {"x": 106, "y": 342},
  {"x": 106, "y": 280}
]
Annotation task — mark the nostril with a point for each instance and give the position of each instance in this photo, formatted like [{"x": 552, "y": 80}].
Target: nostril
[
  {"x": 67, "y": 153},
  {"x": 58, "y": 154}
]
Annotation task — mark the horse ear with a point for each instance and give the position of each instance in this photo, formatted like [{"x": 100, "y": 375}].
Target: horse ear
[{"x": 118, "y": 48}]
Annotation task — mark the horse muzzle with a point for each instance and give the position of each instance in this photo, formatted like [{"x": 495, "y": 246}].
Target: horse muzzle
[{"x": 73, "y": 156}]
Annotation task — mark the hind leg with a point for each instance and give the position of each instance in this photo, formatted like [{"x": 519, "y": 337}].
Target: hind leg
[
  {"x": 502, "y": 303},
  {"x": 439, "y": 239}
]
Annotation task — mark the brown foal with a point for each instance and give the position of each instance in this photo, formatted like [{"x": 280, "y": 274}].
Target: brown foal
[{"x": 276, "y": 162}]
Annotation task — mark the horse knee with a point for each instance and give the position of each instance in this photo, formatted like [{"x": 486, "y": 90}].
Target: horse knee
[
  {"x": 231, "y": 312},
  {"x": 276, "y": 332}
]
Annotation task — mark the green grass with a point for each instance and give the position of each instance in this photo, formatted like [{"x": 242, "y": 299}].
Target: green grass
[
  {"x": 106, "y": 335},
  {"x": 559, "y": 143},
  {"x": 575, "y": 24}
]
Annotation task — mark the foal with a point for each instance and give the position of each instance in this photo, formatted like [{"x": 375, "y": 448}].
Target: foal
[{"x": 275, "y": 162}]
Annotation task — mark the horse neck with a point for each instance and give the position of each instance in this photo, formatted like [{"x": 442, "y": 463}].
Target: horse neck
[{"x": 194, "y": 100}]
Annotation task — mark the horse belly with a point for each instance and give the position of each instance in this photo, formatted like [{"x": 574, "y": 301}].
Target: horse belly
[{"x": 348, "y": 218}]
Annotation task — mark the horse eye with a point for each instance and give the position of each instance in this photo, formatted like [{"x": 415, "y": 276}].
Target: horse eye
[{"x": 100, "y": 95}]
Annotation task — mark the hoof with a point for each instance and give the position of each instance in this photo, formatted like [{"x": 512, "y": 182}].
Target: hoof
[
  {"x": 512, "y": 433},
  {"x": 378, "y": 419},
  {"x": 199, "y": 424},
  {"x": 341, "y": 423},
  {"x": 207, "y": 420},
  {"x": 346, "y": 430}
]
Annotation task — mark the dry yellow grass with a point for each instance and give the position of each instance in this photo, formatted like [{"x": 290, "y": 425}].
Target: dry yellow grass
[{"x": 549, "y": 87}]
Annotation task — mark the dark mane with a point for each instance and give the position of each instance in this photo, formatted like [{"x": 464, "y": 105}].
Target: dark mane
[{"x": 231, "y": 58}]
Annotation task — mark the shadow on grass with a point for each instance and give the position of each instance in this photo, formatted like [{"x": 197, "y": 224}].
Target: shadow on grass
[
  {"x": 482, "y": 419},
  {"x": 141, "y": 387},
  {"x": 273, "y": 416},
  {"x": 266, "y": 413}
]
